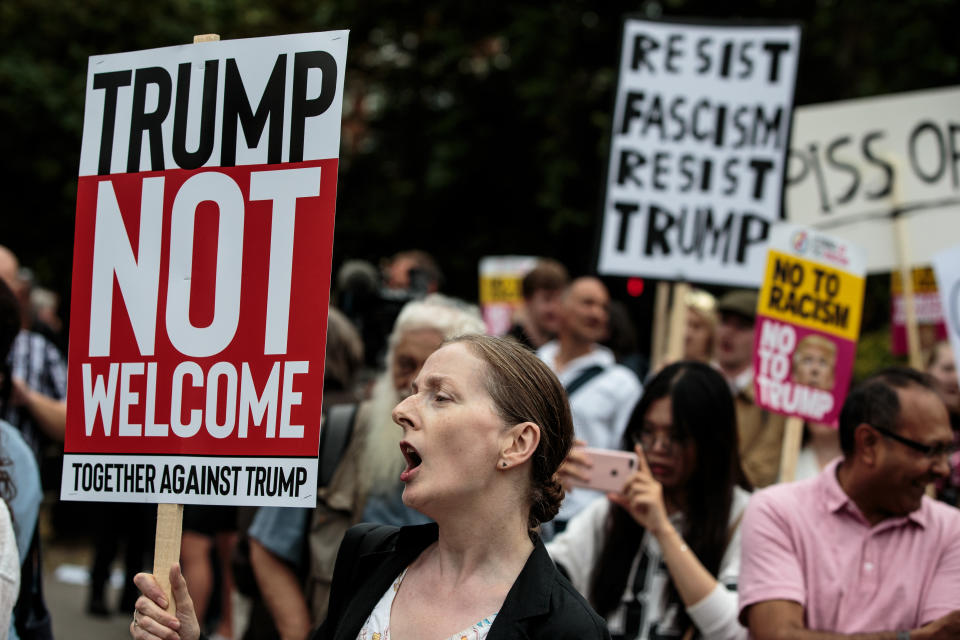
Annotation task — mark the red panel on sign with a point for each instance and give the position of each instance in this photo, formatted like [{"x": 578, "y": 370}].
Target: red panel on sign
[{"x": 187, "y": 355}]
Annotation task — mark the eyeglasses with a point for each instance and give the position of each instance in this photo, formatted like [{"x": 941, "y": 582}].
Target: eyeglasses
[
  {"x": 931, "y": 451},
  {"x": 647, "y": 438}
]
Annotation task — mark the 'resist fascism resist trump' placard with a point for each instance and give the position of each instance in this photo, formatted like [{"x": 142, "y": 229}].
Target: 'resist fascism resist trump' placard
[
  {"x": 808, "y": 321},
  {"x": 201, "y": 275},
  {"x": 698, "y": 148}
]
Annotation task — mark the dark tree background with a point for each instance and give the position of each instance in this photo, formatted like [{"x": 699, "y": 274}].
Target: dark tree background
[{"x": 470, "y": 128}]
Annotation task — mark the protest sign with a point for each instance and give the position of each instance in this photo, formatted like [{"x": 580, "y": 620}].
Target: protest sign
[
  {"x": 946, "y": 266},
  {"x": 857, "y": 165},
  {"x": 698, "y": 150},
  {"x": 929, "y": 313},
  {"x": 501, "y": 291},
  {"x": 808, "y": 321},
  {"x": 205, "y": 211}
]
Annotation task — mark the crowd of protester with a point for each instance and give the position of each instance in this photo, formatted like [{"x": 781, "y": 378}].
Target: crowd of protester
[{"x": 704, "y": 539}]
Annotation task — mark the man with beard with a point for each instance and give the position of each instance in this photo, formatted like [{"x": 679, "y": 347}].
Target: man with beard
[
  {"x": 365, "y": 487},
  {"x": 859, "y": 549}
]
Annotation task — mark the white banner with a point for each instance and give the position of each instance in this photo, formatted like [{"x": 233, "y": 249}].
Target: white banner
[
  {"x": 277, "y": 482},
  {"x": 853, "y": 164},
  {"x": 698, "y": 150},
  {"x": 226, "y": 103},
  {"x": 946, "y": 266}
]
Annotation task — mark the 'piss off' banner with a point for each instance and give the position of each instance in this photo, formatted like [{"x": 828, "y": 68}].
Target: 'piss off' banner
[
  {"x": 201, "y": 274},
  {"x": 808, "y": 320}
]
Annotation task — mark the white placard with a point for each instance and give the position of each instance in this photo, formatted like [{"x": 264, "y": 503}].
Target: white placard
[
  {"x": 698, "y": 150},
  {"x": 946, "y": 266},
  {"x": 853, "y": 164},
  {"x": 194, "y": 96}
]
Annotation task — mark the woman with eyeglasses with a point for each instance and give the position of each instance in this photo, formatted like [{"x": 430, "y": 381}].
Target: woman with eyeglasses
[{"x": 661, "y": 558}]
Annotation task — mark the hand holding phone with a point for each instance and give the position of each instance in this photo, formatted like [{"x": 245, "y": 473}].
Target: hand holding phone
[
  {"x": 609, "y": 471},
  {"x": 643, "y": 498}
]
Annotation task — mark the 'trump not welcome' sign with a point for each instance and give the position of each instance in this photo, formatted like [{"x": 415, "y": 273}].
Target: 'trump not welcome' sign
[
  {"x": 698, "y": 149},
  {"x": 205, "y": 212}
]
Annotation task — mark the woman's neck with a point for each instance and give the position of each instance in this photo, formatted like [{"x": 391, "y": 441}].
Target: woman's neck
[{"x": 496, "y": 547}]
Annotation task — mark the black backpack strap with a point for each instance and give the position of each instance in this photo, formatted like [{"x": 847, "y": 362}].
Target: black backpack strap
[
  {"x": 585, "y": 376},
  {"x": 334, "y": 438}
]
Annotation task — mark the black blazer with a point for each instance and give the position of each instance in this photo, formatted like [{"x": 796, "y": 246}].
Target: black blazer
[{"x": 541, "y": 604}]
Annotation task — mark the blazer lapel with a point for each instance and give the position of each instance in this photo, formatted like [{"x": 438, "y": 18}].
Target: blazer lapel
[
  {"x": 375, "y": 571},
  {"x": 528, "y": 597}
]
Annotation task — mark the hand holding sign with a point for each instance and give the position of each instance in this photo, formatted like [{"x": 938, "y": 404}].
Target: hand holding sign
[
  {"x": 150, "y": 620},
  {"x": 642, "y": 498}
]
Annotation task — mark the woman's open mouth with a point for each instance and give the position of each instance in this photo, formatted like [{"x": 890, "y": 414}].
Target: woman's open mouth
[{"x": 412, "y": 456}]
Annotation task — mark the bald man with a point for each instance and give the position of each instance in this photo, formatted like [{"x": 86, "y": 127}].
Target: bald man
[
  {"x": 37, "y": 405},
  {"x": 602, "y": 393}
]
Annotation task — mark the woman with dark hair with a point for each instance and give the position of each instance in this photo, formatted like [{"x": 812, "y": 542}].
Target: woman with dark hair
[
  {"x": 484, "y": 434},
  {"x": 661, "y": 558}
]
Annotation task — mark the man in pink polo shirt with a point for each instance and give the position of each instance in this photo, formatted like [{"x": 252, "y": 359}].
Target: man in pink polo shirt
[{"x": 860, "y": 549}]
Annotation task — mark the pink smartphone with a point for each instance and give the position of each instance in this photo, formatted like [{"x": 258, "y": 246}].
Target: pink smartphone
[{"x": 611, "y": 469}]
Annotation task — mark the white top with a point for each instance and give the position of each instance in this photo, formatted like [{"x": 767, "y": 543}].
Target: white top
[
  {"x": 807, "y": 465},
  {"x": 641, "y": 614},
  {"x": 377, "y": 626},
  {"x": 9, "y": 570},
  {"x": 601, "y": 408}
]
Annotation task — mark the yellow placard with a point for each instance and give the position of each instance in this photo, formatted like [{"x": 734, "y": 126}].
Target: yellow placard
[
  {"x": 501, "y": 289},
  {"x": 812, "y": 295},
  {"x": 923, "y": 281}
]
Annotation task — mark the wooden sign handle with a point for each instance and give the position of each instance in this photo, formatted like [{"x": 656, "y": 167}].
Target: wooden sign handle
[
  {"x": 658, "y": 344},
  {"x": 909, "y": 306},
  {"x": 167, "y": 550},
  {"x": 170, "y": 516},
  {"x": 790, "y": 451},
  {"x": 678, "y": 322}
]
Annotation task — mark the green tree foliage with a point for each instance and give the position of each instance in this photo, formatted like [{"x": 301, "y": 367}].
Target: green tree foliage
[{"x": 470, "y": 128}]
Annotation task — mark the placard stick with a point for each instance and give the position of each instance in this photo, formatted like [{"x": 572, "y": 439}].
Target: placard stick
[
  {"x": 790, "y": 450},
  {"x": 170, "y": 516},
  {"x": 909, "y": 307},
  {"x": 678, "y": 322},
  {"x": 167, "y": 550},
  {"x": 659, "y": 338}
]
